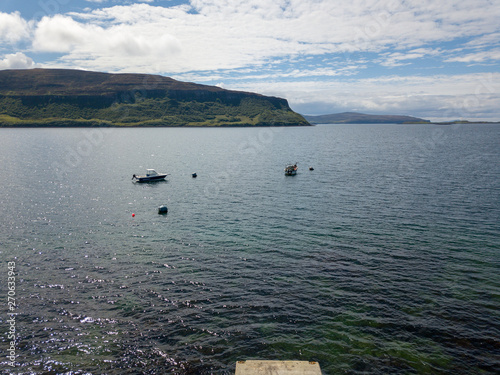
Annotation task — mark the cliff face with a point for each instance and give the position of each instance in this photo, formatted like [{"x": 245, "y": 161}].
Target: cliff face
[{"x": 58, "y": 97}]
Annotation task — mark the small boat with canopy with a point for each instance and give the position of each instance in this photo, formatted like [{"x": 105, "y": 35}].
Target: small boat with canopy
[{"x": 291, "y": 170}]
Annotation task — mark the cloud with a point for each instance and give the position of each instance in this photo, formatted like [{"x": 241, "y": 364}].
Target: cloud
[
  {"x": 16, "y": 61},
  {"x": 477, "y": 57},
  {"x": 210, "y": 35},
  {"x": 472, "y": 96},
  {"x": 13, "y": 28},
  {"x": 60, "y": 34},
  {"x": 402, "y": 58},
  {"x": 490, "y": 39},
  {"x": 115, "y": 45}
]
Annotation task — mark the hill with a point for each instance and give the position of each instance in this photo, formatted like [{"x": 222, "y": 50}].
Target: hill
[
  {"x": 60, "y": 97},
  {"x": 360, "y": 118}
]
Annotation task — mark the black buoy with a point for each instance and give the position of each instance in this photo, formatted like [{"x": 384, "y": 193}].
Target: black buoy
[
  {"x": 194, "y": 175},
  {"x": 311, "y": 168},
  {"x": 162, "y": 209}
]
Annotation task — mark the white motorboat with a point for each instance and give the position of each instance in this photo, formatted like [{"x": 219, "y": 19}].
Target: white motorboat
[{"x": 151, "y": 175}]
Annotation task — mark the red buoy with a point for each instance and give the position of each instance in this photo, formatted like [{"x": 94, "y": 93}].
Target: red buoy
[{"x": 133, "y": 215}]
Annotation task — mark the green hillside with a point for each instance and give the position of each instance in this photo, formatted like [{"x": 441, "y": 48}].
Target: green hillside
[{"x": 57, "y": 97}]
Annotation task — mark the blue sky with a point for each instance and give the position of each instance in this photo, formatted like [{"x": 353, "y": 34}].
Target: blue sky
[{"x": 433, "y": 59}]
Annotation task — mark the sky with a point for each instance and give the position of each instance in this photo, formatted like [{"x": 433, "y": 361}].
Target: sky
[{"x": 439, "y": 60}]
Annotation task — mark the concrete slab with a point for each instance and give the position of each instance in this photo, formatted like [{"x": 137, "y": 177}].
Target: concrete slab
[{"x": 253, "y": 367}]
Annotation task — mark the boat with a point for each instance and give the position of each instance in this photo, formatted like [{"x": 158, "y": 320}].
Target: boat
[
  {"x": 151, "y": 175},
  {"x": 291, "y": 170}
]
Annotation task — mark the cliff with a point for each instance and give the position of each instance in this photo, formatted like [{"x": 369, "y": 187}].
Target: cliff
[{"x": 60, "y": 97}]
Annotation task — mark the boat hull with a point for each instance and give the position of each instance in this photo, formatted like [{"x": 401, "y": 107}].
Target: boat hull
[{"x": 151, "y": 179}]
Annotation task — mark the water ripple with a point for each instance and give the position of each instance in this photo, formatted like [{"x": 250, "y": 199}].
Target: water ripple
[{"x": 366, "y": 265}]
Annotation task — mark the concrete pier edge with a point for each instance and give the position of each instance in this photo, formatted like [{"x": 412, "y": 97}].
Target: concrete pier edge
[{"x": 258, "y": 367}]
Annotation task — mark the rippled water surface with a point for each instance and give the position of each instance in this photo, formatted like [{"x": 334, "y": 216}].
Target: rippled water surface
[{"x": 384, "y": 259}]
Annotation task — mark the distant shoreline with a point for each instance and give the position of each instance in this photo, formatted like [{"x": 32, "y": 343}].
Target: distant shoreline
[
  {"x": 362, "y": 118},
  {"x": 413, "y": 123},
  {"x": 73, "y": 126},
  {"x": 465, "y": 122}
]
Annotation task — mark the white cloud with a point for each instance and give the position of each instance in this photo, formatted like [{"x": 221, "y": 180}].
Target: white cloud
[
  {"x": 233, "y": 34},
  {"x": 394, "y": 59},
  {"x": 478, "y": 57},
  {"x": 484, "y": 40},
  {"x": 472, "y": 96},
  {"x": 115, "y": 45},
  {"x": 245, "y": 75},
  {"x": 13, "y": 28},
  {"x": 59, "y": 34},
  {"x": 16, "y": 61}
]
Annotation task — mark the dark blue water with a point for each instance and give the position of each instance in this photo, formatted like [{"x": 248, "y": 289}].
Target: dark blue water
[{"x": 384, "y": 259}]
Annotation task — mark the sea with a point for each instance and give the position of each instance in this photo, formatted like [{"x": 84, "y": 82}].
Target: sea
[{"x": 382, "y": 259}]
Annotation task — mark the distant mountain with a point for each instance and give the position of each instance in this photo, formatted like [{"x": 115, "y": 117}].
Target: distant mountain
[
  {"x": 60, "y": 97},
  {"x": 360, "y": 118}
]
